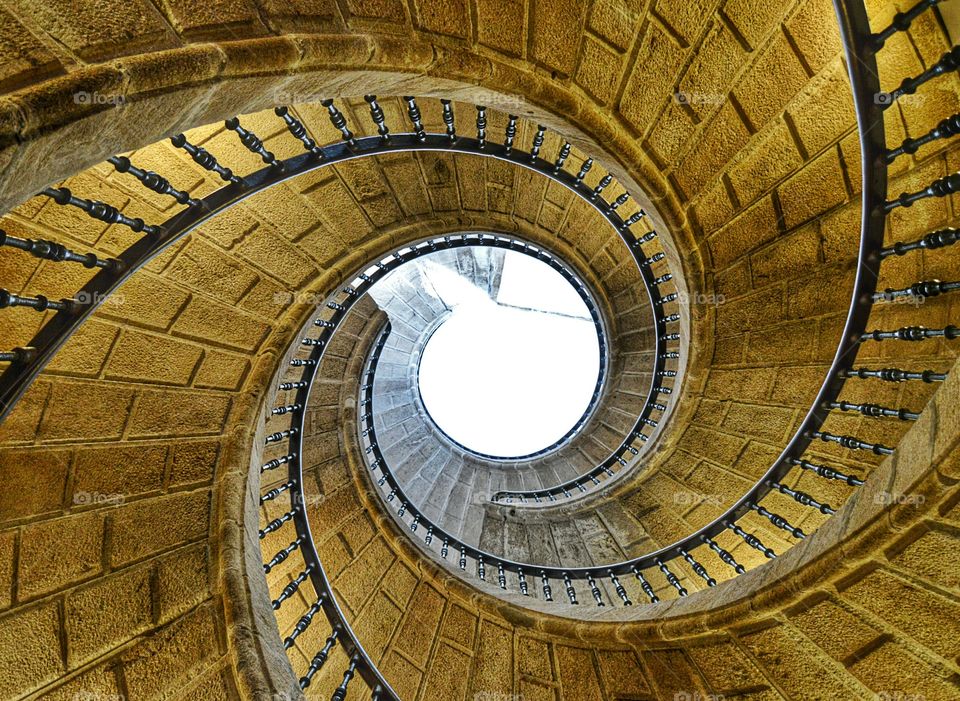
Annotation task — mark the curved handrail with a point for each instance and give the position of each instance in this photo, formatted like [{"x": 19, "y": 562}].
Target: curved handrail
[
  {"x": 860, "y": 45},
  {"x": 26, "y": 363}
]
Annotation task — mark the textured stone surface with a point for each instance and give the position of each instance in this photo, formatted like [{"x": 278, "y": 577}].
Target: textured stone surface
[{"x": 609, "y": 68}]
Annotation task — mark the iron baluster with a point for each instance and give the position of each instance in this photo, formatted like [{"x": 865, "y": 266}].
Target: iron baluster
[
  {"x": 316, "y": 664},
  {"x": 339, "y": 123},
  {"x": 448, "y": 120},
  {"x": 205, "y": 159},
  {"x": 671, "y": 577},
  {"x": 779, "y": 521},
  {"x": 253, "y": 143},
  {"x": 852, "y": 443},
  {"x": 376, "y": 114},
  {"x": 645, "y": 585},
  {"x": 619, "y": 588},
  {"x": 537, "y": 143},
  {"x": 291, "y": 588},
  {"x": 752, "y": 540},
  {"x": 414, "y": 113},
  {"x": 725, "y": 556},
  {"x": 698, "y": 568},
  {"x": 101, "y": 211},
  {"x": 152, "y": 181},
  {"x": 298, "y": 131}
]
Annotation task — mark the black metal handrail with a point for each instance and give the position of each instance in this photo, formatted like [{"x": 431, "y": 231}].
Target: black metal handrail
[
  {"x": 26, "y": 362},
  {"x": 869, "y": 102}
]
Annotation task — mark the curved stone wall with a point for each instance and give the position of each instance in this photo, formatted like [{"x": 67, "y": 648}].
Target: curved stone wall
[{"x": 754, "y": 192}]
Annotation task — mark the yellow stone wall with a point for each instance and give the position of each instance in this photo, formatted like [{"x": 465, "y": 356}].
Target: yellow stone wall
[{"x": 138, "y": 595}]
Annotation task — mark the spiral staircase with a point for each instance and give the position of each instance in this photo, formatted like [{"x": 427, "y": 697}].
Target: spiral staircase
[{"x": 221, "y": 478}]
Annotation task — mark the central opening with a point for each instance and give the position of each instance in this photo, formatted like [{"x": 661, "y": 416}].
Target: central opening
[{"x": 513, "y": 367}]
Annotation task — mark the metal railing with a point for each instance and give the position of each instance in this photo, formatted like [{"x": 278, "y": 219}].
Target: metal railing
[
  {"x": 870, "y": 102},
  {"x": 24, "y": 363}
]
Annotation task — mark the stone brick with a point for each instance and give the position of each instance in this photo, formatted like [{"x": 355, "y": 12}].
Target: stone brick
[
  {"x": 448, "y": 676},
  {"x": 377, "y": 622},
  {"x": 813, "y": 28},
  {"x": 148, "y": 527},
  {"x": 794, "y": 666},
  {"x": 726, "y": 667},
  {"x": 278, "y": 257},
  {"x": 533, "y": 658},
  {"x": 86, "y": 350},
  {"x": 771, "y": 83},
  {"x": 403, "y": 676},
  {"x": 100, "y": 680},
  {"x": 459, "y": 625},
  {"x": 616, "y": 21},
  {"x": 444, "y": 17},
  {"x": 670, "y": 133},
  {"x": 181, "y": 581},
  {"x": 171, "y": 656},
  {"x": 493, "y": 668},
  {"x": 705, "y": 161},
  {"x": 575, "y": 668},
  {"x": 644, "y": 93},
  {"x": 754, "y": 21},
  {"x": 61, "y": 420},
  {"x": 925, "y": 614},
  {"x": 835, "y": 630},
  {"x": 929, "y": 556},
  {"x": 756, "y": 310},
  {"x": 708, "y": 77},
  {"x": 172, "y": 413},
  {"x": 147, "y": 301},
  {"x": 788, "y": 257},
  {"x": 7, "y": 544},
  {"x": 599, "y": 71},
  {"x": 769, "y": 159},
  {"x": 824, "y": 110},
  {"x": 221, "y": 370},
  {"x": 107, "y": 613},
  {"x": 35, "y": 482},
  {"x": 103, "y": 474},
  {"x": 672, "y": 674},
  {"x": 687, "y": 20},
  {"x": 767, "y": 422},
  {"x": 30, "y": 648},
  {"x": 815, "y": 189},
  {"x": 892, "y": 670},
  {"x": 622, "y": 674},
  {"x": 152, "y": 358},
  {"x": 45, "y": 565},
  {"x": 23, "y": 54},
  {"x": 193, "y": 462},
  {"x": 556, "y": 30},
  {"x": 206, "y": 320}
]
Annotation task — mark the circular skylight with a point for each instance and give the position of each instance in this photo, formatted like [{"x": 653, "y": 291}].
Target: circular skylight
[{"x": 510, "y": 371}]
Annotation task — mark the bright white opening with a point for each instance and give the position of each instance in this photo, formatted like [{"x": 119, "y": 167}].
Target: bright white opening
[{"x": 510, "y": 376}]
